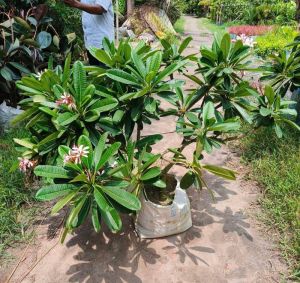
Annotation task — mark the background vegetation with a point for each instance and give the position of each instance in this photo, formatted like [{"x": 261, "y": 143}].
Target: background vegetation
[
  {"x": 17, "y": 209},
  {"x": 275, "y": 165}
]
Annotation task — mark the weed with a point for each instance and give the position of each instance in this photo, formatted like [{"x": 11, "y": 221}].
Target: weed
[{"x": 16, "y": 202}]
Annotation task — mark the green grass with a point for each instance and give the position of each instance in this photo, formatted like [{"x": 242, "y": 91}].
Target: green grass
[
  {"x": 211, "y": 26},
  {"x": 179, "y": 25},
  {"x": 16, "y": 202},
  {"x": 275, "y": 165}
]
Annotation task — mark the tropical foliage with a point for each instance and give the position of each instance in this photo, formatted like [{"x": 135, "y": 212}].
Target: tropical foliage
[
  {"x": 250, "y": 12},
  {"x": 27, "y": 42},
  {"x": 82, "y": 121}
]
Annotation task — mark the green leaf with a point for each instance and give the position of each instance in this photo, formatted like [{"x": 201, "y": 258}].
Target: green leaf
[
  {"x": 102, "y": 56},
  {"x": 108, "y": 153},
  {"x": 20, "y": 67},
  {"x": 96, "y": 218},
  {"x": 67, "y": 71},
  {"x": 149, "y": 140},
  {"x": 138, "y": 64},
  {"x": 25, "y": 143},
  {"x": 79, "y": 78},
  {"x": 66, "y": 118},
  {"x": 150, "y": 161},
  {"x": 169, "y": 70},
  {"x": 85, "y": 141},
  {"x": 105, "y": 105},
  {"x": 74, "y": 212},
  {"x": 151, "y": 173},
  {"x": 278, "y": 131},
  {"x": 63, "y": 150},
  {"x": 160, "y": 184},
  {"x": 226, "y": 45},
  {"x": 83, "y": 213},
  {"x": 270, "y": 94},
  {"x": 64, "y": 201},
  {"x": 100, "y": 199},
  {"x": 155, "y": 62},
  {"x": 187, "y": 180},
  {"x": 219, "y": 171},
  {"x": 225, "y": 127},
  {"x": 25, "y": 115},
  {"x": 53, "y": 191},
  {"x": 44, "y": 39},
  {"x": 118, "y": 116},
  {"x": 122, "y": 77},
  {"x": 6, "y": 73},
  {"x": 184, "y": 44},
  {"x": 243, "y": 112},
  {"x": 123, "y": 197},
  {"x": 52, "y": 172},
  {"x": 112, "y": 219},
  {"x": 99, "y": 150},
  {"x": 208, "y": 112},
  {"x": 265, "y": 111}
]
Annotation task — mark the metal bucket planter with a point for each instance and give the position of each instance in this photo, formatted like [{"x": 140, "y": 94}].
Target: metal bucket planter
[{"x": 155, "y": 221}]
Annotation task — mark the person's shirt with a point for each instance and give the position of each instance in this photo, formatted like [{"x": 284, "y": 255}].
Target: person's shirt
[{"x": 97, "y": 27}]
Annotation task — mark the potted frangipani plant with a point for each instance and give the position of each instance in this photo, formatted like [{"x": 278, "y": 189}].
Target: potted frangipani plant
[{"x": 87, "y": 122}]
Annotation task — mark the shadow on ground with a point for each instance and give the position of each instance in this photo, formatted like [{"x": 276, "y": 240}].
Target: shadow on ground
[{"x": 108, "y": 257}]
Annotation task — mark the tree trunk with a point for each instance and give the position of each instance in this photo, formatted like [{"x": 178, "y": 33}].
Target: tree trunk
[{"x": 130, "y": 7}]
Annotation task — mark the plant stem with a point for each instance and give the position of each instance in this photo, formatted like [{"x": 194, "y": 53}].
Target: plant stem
[
  {"x": 171, "y": 164},
  {"x": 139, "y": 130}
]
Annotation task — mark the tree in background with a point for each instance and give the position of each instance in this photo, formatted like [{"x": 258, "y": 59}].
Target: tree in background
[
  {"x": 130, "y": 7},
  {"x": 298, "y": 13}
]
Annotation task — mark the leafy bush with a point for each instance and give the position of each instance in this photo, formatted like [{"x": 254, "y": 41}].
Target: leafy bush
[
  {"x": 104, "y": 172},
  {"x": 250, "y": 12},
  {"x": 275, "y": 41},
  {"x": 28, "y": 42},
  {"x": 66, "y": 19},
  {"x": 194, "y": 7}
]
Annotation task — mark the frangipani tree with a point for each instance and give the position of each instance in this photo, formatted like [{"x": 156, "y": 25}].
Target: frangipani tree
[{"x": 83, "y": 123}]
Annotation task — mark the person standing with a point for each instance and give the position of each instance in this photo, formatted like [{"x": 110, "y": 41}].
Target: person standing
[{"x": 97, "y": 22}]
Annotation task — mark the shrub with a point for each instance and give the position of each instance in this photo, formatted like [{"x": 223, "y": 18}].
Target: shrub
[
  {"x": 28, "y": 42},
  {"x": 65, "y": 19},
  {"x": 249, "y": 30},
  {"x": 104, "y": 172},
  {"x": 250, "y": 12},
  {"x": 275, "y": 41}
]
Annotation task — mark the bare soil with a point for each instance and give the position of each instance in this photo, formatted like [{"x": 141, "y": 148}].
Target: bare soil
[{"x": 225, "y": 244}]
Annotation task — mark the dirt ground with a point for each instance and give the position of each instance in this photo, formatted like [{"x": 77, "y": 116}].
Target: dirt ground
[{"x": 225, "y": 244}]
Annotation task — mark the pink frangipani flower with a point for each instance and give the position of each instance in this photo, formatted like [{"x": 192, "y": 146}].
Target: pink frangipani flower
[
  {"x": 66, "y": 99},
  {"x": 76, "y": 153},
  {"x": 25, "y": 164}
]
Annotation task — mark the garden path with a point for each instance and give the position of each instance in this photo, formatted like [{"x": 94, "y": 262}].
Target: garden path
[{"x": 225, "y": 244}]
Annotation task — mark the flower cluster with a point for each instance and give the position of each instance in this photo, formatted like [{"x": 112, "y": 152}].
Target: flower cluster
[
  {"x": 76, "y": 153},
  {"x": 25, "y": 164},
  {"x": 247, "y": 40},
  {"x": 66, "y": 99},
  {"x": 250, "y": 30},
  {"x": 39, "y": 74}
]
